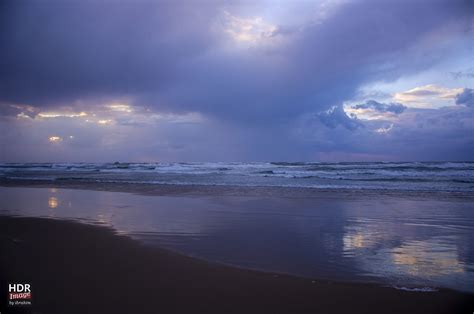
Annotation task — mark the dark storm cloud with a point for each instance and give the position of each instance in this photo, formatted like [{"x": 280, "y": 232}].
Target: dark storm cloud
[
  {"x": 335, "y": 116},
  {"x": 323, "y": 65},
  {"x": 66, "y": 50},
  {"x": 396, "y": 108},
  {"x": 466, "y": 98},
  {"x": 423, "y": 134},
  {"x": 166, "y": 54},
  {"x": 177, "y": 57},
  {"x": 8, "y": 110}
]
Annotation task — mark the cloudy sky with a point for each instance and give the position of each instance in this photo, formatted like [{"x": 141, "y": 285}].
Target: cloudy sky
[{"x": 236, "y": 80}]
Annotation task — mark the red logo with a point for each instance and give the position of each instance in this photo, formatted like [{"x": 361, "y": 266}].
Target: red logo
[{"x": 19, "y": 294}]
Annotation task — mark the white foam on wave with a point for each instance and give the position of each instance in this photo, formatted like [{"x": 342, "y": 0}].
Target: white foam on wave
[
  {"x": 416, "y": 289},
  {"x": 416, "y": 176}
]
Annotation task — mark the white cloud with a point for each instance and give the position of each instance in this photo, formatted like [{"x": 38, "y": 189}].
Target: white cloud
[
  {"x": 247, "y": 30},
  {"x": 428, "y": 96},
  {"x": 384, "y": 130}
]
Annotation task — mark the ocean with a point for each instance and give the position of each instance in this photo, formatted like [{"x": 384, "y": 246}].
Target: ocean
[{"x": 402, "y": 176}]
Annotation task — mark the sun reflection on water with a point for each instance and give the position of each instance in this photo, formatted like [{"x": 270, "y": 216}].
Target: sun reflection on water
[
  {"x": 378, "y": 251},
  {"x": 53, "y": 202},
  {"x": 430, "y": 258}
]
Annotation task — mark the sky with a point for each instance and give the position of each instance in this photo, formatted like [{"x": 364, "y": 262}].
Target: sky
[{"x": 150, "y": 81}]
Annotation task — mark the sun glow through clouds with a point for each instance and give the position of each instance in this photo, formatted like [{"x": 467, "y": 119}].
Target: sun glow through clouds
[
  {"x": 120, "y": 107},
  {"x": 60, "y": 114},
  {"x": 105, "y": 121},
  {"x": 55, "y": 139},
  {"x": 249, "y": 30}
]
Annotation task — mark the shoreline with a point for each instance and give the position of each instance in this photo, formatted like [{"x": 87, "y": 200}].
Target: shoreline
[
  {"x": 73, "y": 262},
  {"x": 232, "y": 190}
]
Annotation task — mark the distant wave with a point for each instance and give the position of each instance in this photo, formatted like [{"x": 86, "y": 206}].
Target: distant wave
[{"x": 424, "y": 176}]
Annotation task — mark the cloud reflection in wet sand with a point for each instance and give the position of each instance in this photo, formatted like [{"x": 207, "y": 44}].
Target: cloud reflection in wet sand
[
  {"x": 430, "y": 258},
  {"x": 394, "y": 241},
  {"x": 386, "y": 255}
]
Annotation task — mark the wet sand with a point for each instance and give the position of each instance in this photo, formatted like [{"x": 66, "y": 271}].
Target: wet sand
[
  {"x": 78, "y": 268},
  {"x": 230, "y": 190}
]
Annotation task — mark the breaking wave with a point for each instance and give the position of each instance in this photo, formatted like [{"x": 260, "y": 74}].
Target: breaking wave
[{"x": 424, "y": 176}]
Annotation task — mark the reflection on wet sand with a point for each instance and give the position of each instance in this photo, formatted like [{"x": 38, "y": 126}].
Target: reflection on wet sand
[
  {"x": 430, "y": 258},
  {"x": 357, "y": 239},
  {"x": 53, "y": 202},
  {"x": 395, "y": 241},
  {"x": 386, "y": 254}
]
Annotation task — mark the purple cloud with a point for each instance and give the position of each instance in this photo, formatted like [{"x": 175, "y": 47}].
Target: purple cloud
[
  {"x": 335, "y": 116},
  {"x": 466, "y": 98},
  {"x": 178, "y": 58},
  {"x": 396, "y": 108}
]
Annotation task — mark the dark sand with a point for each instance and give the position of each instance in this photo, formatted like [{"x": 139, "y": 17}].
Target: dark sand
[{"x": 78, "y": 268}]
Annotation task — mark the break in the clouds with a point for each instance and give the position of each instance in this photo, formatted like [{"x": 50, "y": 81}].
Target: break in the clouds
[{"x": 186, "y": 80}]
